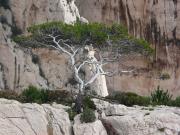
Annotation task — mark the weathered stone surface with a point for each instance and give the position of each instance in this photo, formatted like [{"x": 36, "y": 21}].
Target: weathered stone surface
[
  {"x": 141, "y": 17},
  {"x": 94, "y": 128},
  {"x": 28, "y": 12},
  {"x": 136, "y": 120},
  {"x": 33, "y": 119},
  {"x": 17, "y": 67},
  {"x": 99, "y": 85},
  {"x": 148, "y": 19},
  {"x": 111, "y": 109},
  {"x": 156, "y": 21}
]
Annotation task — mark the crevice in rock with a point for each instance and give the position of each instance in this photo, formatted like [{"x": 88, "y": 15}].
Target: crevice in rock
[
  {"x": 9, "y": 119},
  {"x": 4, "y": 81},
  {"x": 49, "y": 125},
  {"x": 15, "y": 72},
  {"x": 18, "y": 78},
  {"x": 16, "y": 126},
  {"x": 28, "y": 122},
  {"x": 51, "y": 120},
  {"x": 36, "y": 60},
  {"x": 109, "y": 128}
]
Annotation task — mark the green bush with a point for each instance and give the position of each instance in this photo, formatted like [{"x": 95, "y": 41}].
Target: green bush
[
  {"x": 129, "y": 99},
  {"x": 88, "y": 103},
  {"x": 71, "y": 113},
  {"x": 175, "y": 102},
  {"x": 32, "y": 94},
  {"x": 88, "y": 115},
  {"x": 160, "y": 97}
]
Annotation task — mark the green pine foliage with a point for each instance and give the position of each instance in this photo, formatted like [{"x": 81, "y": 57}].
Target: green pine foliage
[{"x": 78, "y": 33}]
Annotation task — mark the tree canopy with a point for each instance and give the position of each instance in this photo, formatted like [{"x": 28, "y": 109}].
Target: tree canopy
[{"x": 79, "y": 34}]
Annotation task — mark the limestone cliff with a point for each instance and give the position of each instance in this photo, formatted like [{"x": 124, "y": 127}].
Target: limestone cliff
[
  {"x": 22, "y": 67},
  {"x": 157, "y": 21}
]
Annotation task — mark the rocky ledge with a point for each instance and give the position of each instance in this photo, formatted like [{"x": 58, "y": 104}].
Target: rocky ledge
[{"x": 112, "y": 119}]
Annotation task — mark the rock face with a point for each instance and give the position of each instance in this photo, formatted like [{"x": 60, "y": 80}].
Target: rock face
[
  {"x": 33, "y": 119},
  {"x": 156, "y": 21},
  {"x": 44, "y": 68},
  {"x": 119, "y": 119},
  {"x": 94, "y": 128},
  {"x": 31, "y": 12},
  {"x": 17, "y": 69},
  {"x": 150, "y": 19}
]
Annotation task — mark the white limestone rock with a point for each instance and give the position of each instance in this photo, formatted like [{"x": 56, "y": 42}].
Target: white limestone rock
[
  {"x": 94, "y": 128},
  {"x": 33, "y": 119}
]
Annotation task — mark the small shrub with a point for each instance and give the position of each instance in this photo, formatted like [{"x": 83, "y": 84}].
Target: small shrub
[
  {"x": 88, "y": 115},
  {"x": 71, "y": 113},
  {"x": 160, "y": 97},
  {"x": 129, "y": 99},
  {"x": 88, "y": 103},
  {"x": 176, "y": 102},
  {"x": 31, "y": 95}
]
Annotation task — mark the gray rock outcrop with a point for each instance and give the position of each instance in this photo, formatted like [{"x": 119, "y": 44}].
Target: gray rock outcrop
[{"x": 33, "y": 119}]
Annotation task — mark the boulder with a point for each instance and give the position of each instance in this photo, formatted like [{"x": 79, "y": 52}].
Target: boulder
[
  {"x": 94, "y": 128},
  {"x": 33, "y": 119}
]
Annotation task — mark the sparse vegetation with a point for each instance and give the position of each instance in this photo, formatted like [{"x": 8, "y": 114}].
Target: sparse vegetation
[
  {"x": 88, "y": 115},
  {"x": 129, "y": 99},
  {"x": 175, "y": 102},
  {"x": 87, "y": 102},
  {"x": 71, "y": 113},
  {"x": 160, "y": 97},
  {"x": 35, "y": 95}
]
